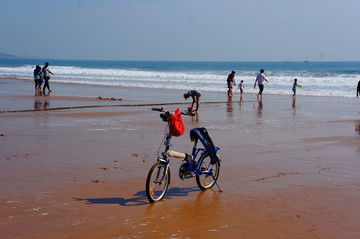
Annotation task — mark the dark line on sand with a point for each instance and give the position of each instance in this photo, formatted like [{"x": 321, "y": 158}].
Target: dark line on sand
[{"x": 104, "y": 106}]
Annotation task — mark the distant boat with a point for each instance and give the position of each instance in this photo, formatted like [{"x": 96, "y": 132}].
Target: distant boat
[{"x": 306, "y": 61}]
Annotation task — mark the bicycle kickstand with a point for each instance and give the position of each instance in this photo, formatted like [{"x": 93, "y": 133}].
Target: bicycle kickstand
[{"x": 217, "y": 185}]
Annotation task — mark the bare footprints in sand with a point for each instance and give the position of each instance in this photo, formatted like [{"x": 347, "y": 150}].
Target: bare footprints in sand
[
  {"x": 319, "y": 169},
  {"x": 275, "y": 176}
]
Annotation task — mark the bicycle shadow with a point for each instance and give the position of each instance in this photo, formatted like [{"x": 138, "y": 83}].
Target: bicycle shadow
[
  {"x": 138, "y": 198},
  {"x": 180, "y": 192}
]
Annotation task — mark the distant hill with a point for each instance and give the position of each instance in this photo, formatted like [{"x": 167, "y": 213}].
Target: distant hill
[{"x": 7, "y": 56}]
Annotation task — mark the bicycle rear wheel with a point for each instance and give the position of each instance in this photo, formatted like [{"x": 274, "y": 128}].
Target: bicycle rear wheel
[
  {"x": 157, "y": 182},
  {"x": 210, "y": 175}
]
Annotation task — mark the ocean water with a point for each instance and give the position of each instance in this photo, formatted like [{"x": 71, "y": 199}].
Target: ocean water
[{"x": 338, "y": 79}]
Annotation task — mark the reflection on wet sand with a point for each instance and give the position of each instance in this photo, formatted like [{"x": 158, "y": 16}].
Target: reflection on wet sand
[
  {"x": 41, "y": 104},
  {"x": 195, "y": 118},
  {"x": 241, "y": 100},
  {"x": 229, "y": 106},
  {"x": 293, "y": 105},
  {"x": 357, "y": 127},
  {"x": 260, "y": 108}
]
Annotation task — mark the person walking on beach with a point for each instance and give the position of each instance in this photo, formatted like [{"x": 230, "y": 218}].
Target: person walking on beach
[
  {"x": 195, "y": 95},
  {"x": 46, "y": 75},
  {"x": 260, "y": 78},
  {"x": 230, "y": 82},
  {"x": 294, "y": 86},
  {"x": 241, "y": 86},
  {"x": 358, "y": 90},
  {"x": 38, "y": 79}
]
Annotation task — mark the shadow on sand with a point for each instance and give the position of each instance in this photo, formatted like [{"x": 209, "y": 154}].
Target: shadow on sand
[{"x": 139, "y": 198}]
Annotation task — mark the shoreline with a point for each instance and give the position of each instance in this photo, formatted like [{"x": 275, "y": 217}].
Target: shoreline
[
  {"x": 290, "y": 168},
  {"x": 129, "y": 96},
  {"x": 125, "y": 89}
]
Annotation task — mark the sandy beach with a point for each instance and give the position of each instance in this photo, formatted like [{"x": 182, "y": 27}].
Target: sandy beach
[{"x": 73, "y": 166}]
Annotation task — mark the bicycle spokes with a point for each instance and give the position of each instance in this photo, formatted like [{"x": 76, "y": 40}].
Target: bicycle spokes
[
  {"x": 158, "y": 181},
  {"x": 208, "y": 173}
]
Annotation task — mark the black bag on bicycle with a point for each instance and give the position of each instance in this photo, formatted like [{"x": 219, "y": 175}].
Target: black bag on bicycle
[{"x": 203, "y": 135}]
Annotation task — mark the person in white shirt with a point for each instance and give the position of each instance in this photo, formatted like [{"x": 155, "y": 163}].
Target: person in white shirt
[
  {"x": 241, "y": 86},
  {"x": 260, "y": 78}
]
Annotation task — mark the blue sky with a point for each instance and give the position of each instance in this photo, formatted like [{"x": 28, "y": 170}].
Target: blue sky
[{"x": 210, "y": 30}]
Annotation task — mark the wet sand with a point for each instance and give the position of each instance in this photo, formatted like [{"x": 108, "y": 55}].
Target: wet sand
[{"x": 290, "y": 167}]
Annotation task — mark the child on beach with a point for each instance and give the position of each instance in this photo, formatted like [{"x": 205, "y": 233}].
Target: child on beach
[
  {"x": 294, "y": 86},
  {"x": 241, "y": 86},
  {"x": 195, "y": 95}
]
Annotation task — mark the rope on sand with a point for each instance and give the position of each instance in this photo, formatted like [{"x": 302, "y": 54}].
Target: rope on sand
[{"x": 104, "y": 106}]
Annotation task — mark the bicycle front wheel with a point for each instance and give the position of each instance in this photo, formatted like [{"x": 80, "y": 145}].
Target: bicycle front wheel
[
  {"x": 210, "y": 173},
  {"x": 157, "y": 182}
]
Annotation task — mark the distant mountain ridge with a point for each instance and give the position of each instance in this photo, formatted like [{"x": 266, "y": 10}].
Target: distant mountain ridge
[{"x": 7, "y": 56}]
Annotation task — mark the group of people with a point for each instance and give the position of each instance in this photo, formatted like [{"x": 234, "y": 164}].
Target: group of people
[
  {"x": 259, "y": 81},
  {"x": 42, "y": 75}
]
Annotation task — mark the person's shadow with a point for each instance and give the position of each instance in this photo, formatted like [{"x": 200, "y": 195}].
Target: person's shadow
[{"x": 138, "y": 198}]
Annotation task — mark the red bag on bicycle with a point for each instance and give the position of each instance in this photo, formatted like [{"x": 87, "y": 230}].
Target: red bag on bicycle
[{"x": 176, "y": 124}]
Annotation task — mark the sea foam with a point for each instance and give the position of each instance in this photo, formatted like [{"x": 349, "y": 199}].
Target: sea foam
[{"x": 314, "y": 82}]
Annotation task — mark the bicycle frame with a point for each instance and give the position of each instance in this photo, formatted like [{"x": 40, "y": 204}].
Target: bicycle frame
[{"x": 194, "y": 155}]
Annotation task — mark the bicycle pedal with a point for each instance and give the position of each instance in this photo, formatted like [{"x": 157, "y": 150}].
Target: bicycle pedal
[
  {"x": 186, "y": 175},
  {"x": 189, "y": 174}
]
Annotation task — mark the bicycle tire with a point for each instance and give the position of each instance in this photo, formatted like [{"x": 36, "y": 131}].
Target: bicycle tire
[
  {"x": 205, "y": 181},
  {"x": 157, "y": 182}
]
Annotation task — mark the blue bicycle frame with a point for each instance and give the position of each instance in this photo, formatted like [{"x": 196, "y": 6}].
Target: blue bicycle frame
[{"x": 193, "y": 164}]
